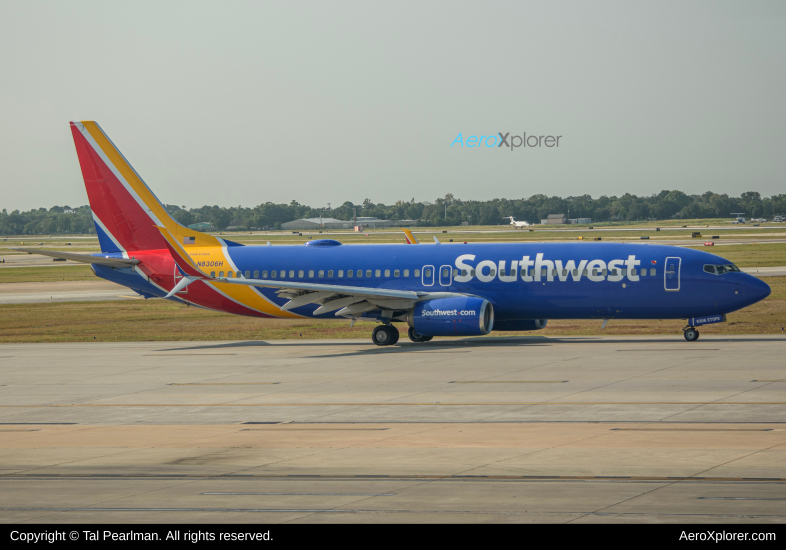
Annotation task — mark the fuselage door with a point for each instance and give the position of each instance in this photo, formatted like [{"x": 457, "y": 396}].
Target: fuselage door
[
  {"x": 671, "y": 274},
  {"x": 428, "y": 275},
  {"x": 445, "y": 275}
]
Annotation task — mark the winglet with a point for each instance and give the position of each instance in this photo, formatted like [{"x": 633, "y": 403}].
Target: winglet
[
  {"x": 436, "y": 240},
  {"x": 409, "y": 236},
  {"x": 182, "y": 259}
]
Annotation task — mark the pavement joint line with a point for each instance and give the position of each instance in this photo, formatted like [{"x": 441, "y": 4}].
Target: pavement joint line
[
  {"x": 516, "y": 404},
  {"x": 444, "y": 477}
]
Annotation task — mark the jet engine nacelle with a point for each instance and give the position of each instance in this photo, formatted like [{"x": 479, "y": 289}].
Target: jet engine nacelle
[
  {"x": 456, "y": 316},
  {"x": 521, "y": 324}
]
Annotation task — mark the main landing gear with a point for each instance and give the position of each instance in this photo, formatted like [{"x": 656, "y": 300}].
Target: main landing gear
[
  {"x": 385, "y": 335},
  {"x": 417, "y": 337},
  {"x": 691, "y": 334}
]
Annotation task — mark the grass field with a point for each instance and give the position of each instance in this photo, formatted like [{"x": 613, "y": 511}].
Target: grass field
[
  {"x": 46, "y": 274},
  {"x": 158, "y": 320}
]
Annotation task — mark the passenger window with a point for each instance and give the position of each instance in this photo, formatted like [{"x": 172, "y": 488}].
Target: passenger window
[
  {"x": 300, "y": 274},
  {"x": 634, "y": 270},
  {"x": 445, "y": 273},
  {"x": 330, "y": 273},
  {"x": 248, "y": 275},
  {"x": 585, "y": 273},
  {"x": 605, "y": 272},
  {"x": 310, "y": 273},
  {"x": 564, "y": 272},
  {"x": 472, "y": 273},
  {"x": 427, "y": 273},
  {"x": 274, "y": 274},
  {"x": 349, "y": 273},
  {"x": 340, "y": 273},
  {"x": 652, "y": 272},
  {"x": 643, "y": 272},
  {"x": 264, "y": 275},
  {"x": 291, "y": 273},
  {"x": 220, "y": 273},
  {"x": 256, "y": 274},
  {"x": 368, "y": 273},
  {"x": 360, "y": 273},
  {"x": 594, "y": 272},
  {"x": 378, "y": 273},
  {"x": 543, "y": 272},
  {"x": 212, "y": 273},
  {"x": 396, "y": 273},
  {"x": 417, "y": 273},
  {"x": 493, "y": 272},
  {"x": 575, "y": 272},
  {"x": 455, "y": 272},
  {"x": 387, "y": 273},
  {"x": 406, "y": 273},
  {"x": 709, "y": 269},
  {"x": 230, "y": 274},
  {"x": 321, "y": 273},
  {"x": 464, "y": 273}
]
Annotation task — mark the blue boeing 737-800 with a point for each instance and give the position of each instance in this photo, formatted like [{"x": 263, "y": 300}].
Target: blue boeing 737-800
[{"x": 437, "y": 290}]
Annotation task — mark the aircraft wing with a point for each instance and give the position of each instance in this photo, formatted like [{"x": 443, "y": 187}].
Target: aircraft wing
[
  {"x": 349, "y": 300},
  {"x": 83, "y": 258}
]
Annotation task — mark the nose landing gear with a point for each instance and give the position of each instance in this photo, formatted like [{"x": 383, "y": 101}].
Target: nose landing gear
[{"x": 691, "y": 334}]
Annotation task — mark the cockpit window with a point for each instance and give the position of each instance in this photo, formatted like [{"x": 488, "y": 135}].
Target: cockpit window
[{"x": 721, "y": 269}]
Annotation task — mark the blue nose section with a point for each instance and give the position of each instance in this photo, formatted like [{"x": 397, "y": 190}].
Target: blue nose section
[{"x": 756, "y": 289}]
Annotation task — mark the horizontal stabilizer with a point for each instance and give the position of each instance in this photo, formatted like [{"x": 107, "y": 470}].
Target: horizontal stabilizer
[{"x": 83, "y": 258}]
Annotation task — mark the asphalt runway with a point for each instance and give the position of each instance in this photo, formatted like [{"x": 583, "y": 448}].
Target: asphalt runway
[{"x": 521, "y": 429}]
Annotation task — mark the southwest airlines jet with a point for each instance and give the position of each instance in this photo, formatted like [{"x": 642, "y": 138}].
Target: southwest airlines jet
[{"x": 436, "y": 289}]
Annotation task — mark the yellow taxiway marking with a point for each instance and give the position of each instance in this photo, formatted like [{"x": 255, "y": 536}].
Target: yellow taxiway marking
[
  {"x": 223, "y": 383},
  {"x": 197, "y": 354},
  {"x": 432, "y": 404},
  {"x": 508, "y": 382}
]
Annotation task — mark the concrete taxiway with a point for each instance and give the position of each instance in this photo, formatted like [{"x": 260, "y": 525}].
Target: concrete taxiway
[{"x": 523, "y": 429}]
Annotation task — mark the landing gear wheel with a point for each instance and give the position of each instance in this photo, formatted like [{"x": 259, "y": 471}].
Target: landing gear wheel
[
  {"x": 394, "y": 333},
  {"x": 417, "y": 337},
  {"x": 691, "y": 334},
  {"x": 383, "y": 336}
]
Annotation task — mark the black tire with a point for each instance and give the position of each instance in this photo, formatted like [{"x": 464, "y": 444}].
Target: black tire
[
  {"x": 691, "y": 334},
  {"x": 415, "y": 336},
  {"x": 426, "y": 338},
  {"x": 395, "y": 334},
  {"x": 381, "y": 336}
]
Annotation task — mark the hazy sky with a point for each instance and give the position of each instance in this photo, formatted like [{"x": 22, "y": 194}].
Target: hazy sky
[{"x": 241, "y": 103}]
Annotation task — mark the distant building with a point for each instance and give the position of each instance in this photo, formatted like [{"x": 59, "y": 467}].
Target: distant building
[
  {"x": 316, "y": 223},
  {"x": 554, "y": 219},
  {"x": 201, "y": 226},
  {"x": 332, "y": 223},
  {"x": 580, "y": 220}
]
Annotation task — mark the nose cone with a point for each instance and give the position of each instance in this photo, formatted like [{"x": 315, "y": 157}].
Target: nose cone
[{"x": 756, "y": 289}]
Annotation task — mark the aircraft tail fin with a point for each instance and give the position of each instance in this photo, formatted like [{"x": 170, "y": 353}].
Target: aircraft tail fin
[
  {"x": 125, "y": 210},
  {"x": 409, "y": 236}
]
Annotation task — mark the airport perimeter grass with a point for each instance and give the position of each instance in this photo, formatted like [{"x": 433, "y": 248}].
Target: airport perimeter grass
[
  {"x": 158, "y": 320},
  {"x": 47, "y": 274}
]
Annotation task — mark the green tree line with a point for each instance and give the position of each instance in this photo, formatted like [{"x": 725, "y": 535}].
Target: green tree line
[{"x": 448, "y": 210}]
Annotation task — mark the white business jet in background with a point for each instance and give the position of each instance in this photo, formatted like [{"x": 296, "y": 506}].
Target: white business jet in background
[{"x": 516, "y": 224}]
